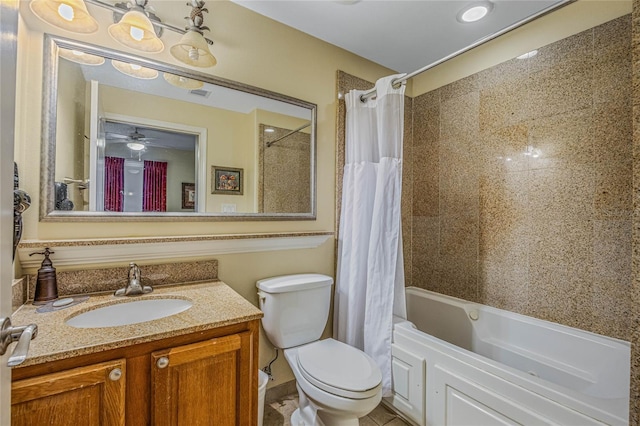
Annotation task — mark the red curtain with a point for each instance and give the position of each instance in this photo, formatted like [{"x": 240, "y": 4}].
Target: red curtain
[
  {"x": 113, "y": 184},
  {"x": 155, "y": 187}
]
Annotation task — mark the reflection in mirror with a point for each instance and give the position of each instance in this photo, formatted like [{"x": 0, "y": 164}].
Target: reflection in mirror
[
  {"x": 143, "y": 169},
  {"x": 282, "y": 169},
  {"x": 125, "y": 137}
]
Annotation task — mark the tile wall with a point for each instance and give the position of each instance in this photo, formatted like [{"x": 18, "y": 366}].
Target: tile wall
[{"x": 522, "y": 184}]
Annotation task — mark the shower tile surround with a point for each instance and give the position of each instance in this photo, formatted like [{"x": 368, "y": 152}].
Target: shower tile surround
[
  {"x": 523, "y": 184},
  {"x": 518, "y": 185}
]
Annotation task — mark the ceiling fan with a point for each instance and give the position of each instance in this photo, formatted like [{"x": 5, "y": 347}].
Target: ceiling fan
[{"x": 134, "y": 136}]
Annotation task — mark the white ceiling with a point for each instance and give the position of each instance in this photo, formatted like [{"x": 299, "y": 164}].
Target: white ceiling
[{"x": 401, "y": 35}]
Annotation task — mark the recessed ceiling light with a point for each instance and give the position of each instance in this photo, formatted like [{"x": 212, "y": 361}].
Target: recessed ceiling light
[
  {"x": 474, "y": 12},
  {"x": 528, "y": 55}
]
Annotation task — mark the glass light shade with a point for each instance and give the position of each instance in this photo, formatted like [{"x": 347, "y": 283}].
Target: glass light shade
[
  {"x": 192, "y": 49},
  {"x": 135, "y": 146},
  {"x": 134, "y": 70},
  {"x": 136, "y": 24},
  {"x": 80, "y": 57},
  {"x": 182, "y": 82},
  {"x": 70, "y": 15}
]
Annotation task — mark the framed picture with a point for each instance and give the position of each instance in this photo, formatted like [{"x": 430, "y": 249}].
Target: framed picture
[
  {"x": 188, "y": 195},
  {"x": 226, "y": 180}
]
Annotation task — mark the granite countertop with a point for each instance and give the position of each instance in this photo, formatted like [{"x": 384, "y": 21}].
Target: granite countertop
[{"x": 215, "y": 304}]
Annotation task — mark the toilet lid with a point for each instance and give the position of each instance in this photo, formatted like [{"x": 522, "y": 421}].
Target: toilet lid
[{"x": 339, "y": 369}]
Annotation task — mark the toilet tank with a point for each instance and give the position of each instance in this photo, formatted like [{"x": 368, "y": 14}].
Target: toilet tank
[{"x": 296, "y": 308}]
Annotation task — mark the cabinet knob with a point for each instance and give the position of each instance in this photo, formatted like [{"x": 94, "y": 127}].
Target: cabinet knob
[
  {"x": 115, "y": 374},
  {"x": 162, "y": 362}
]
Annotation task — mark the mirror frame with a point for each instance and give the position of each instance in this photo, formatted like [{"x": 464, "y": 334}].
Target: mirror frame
[{"x": 48, "y": 141}]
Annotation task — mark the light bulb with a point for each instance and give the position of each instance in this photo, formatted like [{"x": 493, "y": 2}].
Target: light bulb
[
  {"x": 136, "y": 33},
  {"x": 135, "y": 67},
  {"x": 193, "y": 54},
  {"x": 65, "y": 11},
  {"x": 77, "y": 52},
  {"x": 474, "y": 14}
]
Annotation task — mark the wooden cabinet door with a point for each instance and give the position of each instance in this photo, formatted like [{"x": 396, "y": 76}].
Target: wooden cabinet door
[
  {"x": 203, "y": 384},
  {"x": 91, "y": 395}
]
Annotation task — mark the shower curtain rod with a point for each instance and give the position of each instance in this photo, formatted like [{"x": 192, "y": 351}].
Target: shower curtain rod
[
  {"x": 288, "y": 134},
  {"x": 398, "y": 81}
]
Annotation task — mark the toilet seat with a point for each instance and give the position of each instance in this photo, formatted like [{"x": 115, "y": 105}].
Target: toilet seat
[{"x": 339, "y": 369}]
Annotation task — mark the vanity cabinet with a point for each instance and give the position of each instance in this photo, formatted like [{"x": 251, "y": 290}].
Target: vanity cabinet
[
  {"x": 201, "y": 383},
  {"x": 95, "y": 394},
  {"x": 203, "y": 378}
]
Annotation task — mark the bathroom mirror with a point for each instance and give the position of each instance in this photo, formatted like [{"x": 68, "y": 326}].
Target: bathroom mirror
[{"x": 128, "y": 138}]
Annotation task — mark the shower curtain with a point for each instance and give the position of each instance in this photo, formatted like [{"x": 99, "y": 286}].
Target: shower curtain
[{"x": 370, "y": 276}]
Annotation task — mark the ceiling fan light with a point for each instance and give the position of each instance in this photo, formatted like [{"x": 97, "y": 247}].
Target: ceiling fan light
[
  {"x": 135, "y": 146},
  {"x": 70, "y": 15},
  {"x": 192, "y": 49},
  {"x": 136, "y": 31},
  {"x": 182, "y": 82},
  {"x": 80, "y": 57},
  {"x": 134, "y": 70}
]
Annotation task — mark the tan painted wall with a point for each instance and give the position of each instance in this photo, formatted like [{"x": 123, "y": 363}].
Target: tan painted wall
[
  {"x": 250, "y": 49},
  {"x": 569, "y": 20}
]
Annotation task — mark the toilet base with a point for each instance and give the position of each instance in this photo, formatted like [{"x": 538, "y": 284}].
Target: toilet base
[
  {"x": 297, "y": 420},
  {"x": 310, "y": 414}
]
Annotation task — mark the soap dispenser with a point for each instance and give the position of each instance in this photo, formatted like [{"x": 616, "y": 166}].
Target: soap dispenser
[{"x": 46, "y": 283}]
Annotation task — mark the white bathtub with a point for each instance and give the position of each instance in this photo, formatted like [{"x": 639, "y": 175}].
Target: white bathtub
[{"x": 450, "y": 368}]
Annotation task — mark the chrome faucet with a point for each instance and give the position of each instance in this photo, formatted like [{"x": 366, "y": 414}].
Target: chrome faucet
[{"x": 134, "y": 287}]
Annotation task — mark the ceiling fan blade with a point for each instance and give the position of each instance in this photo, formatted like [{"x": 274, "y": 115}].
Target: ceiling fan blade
[{"x": 116, "y": 136}]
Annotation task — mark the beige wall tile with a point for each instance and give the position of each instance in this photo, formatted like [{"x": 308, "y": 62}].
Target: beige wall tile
[
  {"x": 504, "y": 104},
  {"x": 562, "y": 141},
  {"x": 459, "y": 116},
  {"x": 533, "y": 178}
]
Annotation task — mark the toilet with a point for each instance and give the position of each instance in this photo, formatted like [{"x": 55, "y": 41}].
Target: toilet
[{"x": 336, "y": 383}]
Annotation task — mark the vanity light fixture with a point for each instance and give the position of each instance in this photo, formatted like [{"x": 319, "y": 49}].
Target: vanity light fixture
[
  {"x": 182, "y": 82},
  {"x": 134, "y": 70},
  {"x": 193, "y": 48},
  {"x": 136, "y": 31},
  {"x": 475, "y": 12},
  {"x": 80, "y": 57},
  {"x": 70, "y": 15}
]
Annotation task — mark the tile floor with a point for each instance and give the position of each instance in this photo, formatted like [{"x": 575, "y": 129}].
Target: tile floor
[{"x": 278, "y": 413}]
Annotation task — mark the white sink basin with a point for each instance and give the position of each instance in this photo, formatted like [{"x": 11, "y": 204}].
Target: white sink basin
[{"x": 127, "y": 313}]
